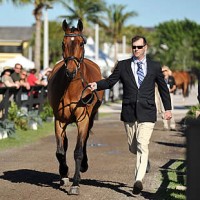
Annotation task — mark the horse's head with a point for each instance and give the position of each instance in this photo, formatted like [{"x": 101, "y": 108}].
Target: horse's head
[{"x": 73, "y": 48}]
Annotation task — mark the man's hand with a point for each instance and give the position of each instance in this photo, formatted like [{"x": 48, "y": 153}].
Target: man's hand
[
  {"x": 168, "y": 115},
  {"x": 93, "y": 86}
]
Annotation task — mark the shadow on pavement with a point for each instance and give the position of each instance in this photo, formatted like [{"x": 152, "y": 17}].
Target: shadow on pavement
[
  {"x": 32, "y": 177},
  {"x": 45, "y": 179}
]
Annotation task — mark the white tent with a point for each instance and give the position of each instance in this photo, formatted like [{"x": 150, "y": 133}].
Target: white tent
[
  {"x": 25, "y": 62},
  {"x": 105, "y": 62}
]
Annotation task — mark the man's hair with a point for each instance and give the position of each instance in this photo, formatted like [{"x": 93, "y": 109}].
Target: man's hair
[
  {"x": 137, "y": 37},
  {"x": 16, "y": 64}
]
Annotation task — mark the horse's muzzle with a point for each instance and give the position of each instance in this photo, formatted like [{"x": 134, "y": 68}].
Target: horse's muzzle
[{"x": 71, "y": 74}]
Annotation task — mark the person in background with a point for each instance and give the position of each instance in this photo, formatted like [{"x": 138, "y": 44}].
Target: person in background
[
  {"x": 7, "y": 79},
  {"x": 33, "y": 81},
  {"x": 171, "y": 84},
  {"x": 16, "y": 74},
  {"x": 138, "y": 75},
  {"x": 32, "y": 78},
  {"x": 43, "y": 76},
  {"x": 23, "y": 79},
  {"x": 24, "y": 83}
]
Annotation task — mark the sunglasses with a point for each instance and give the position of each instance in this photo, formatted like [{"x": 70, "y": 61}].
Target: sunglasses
[{"x": 138, "y": 47}]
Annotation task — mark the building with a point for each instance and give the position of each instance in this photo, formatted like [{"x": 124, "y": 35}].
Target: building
[{"x": 15, "y": 41}]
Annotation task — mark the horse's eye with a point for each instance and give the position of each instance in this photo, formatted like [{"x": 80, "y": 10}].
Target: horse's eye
[{"x": 81, "y": 44}]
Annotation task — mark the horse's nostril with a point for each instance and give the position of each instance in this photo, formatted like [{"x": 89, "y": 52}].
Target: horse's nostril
[{"x": 72, "y": 74}]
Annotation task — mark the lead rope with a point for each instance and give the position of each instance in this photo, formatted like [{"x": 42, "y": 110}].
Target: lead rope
[
  {"x": 89, "y": 101},
  {"x": 92, "y": 96}
]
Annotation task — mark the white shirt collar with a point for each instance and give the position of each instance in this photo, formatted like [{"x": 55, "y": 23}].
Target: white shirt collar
[{"x": 135, "y": 60}]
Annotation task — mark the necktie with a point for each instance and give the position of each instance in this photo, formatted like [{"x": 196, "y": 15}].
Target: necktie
[{"x": 140, "y": 73}]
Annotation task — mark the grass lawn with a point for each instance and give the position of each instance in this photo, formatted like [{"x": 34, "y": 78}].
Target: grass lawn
[{"x": 22, "y": 137}]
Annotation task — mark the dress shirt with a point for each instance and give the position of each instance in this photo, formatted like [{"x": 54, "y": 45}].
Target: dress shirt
[{"x": 134, "y": 68}]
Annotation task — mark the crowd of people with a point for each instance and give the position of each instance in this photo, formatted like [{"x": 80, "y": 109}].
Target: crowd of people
[{"x": 19, "y": 77}]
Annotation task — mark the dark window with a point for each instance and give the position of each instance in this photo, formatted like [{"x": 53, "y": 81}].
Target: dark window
[{"x": 10, "y": 49}]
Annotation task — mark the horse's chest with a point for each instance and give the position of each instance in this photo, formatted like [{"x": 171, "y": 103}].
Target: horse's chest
[{"x": 71, "y": 111}]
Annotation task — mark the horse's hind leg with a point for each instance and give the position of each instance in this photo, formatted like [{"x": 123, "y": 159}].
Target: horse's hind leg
[{"x": 62, "y": 145}]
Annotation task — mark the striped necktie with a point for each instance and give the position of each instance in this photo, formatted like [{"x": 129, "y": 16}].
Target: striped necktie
[{"x": 140, "y": 73}]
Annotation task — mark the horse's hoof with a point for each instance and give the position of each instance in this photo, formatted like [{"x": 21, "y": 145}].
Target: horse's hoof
[
  {"x": 64, "y": 182},
  {"x": 74, "y": 190},
  {"x": 84, "y": 168}
]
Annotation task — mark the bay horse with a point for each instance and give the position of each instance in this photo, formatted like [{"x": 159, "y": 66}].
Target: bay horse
[
  {"x": 73, "y": 102},
  {"x": 182, "y": 79}
]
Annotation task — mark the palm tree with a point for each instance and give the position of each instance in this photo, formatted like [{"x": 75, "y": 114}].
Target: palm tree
[
  {"x": 116, "y": 22},
  {"x": 87, "y": 10},
  {"x": 39, "y": 5},
  {"x": 94, "y": 10}
]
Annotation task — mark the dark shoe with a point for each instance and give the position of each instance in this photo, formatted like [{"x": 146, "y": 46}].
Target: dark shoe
[
  {"x": 172, "y": 129},
  {"x": 148, "y": 167},
  {"x": 137, "y": 188}
]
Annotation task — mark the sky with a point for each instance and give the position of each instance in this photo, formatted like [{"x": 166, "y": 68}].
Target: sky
[{"x": 150, "y": 12}]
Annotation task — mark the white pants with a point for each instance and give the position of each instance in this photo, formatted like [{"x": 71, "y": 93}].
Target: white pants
[{"x": 139, "y": 135}]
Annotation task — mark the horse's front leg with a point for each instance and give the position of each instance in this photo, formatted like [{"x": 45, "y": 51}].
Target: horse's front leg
[
  {"x": 78, "y": 154},
  {"x": 62, "y": 145},
  {"x": 84, "y": 163}
]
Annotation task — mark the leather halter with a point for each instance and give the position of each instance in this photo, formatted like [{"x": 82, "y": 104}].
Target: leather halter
[{"x": 75, "y": 59}]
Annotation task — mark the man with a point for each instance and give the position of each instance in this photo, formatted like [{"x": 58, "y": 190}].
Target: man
[
  {"x": 138, "y": 75},
  {"x": 16, "y": 74},
  {"x": 7, "y": 80}
]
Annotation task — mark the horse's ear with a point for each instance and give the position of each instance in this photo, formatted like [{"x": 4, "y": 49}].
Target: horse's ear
[
  {"x": 80, "y": 25},
  {"x": 65, "y": 25}
]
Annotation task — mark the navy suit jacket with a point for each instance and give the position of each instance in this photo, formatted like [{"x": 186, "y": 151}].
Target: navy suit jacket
[{"x": 138, "y": 104}]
